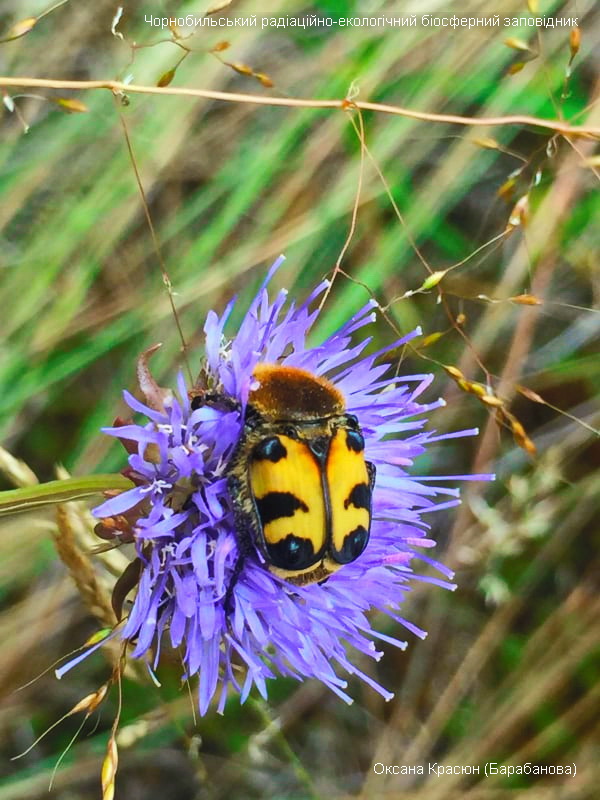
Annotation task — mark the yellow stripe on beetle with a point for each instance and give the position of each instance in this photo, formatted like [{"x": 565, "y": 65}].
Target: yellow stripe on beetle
[
  {"x": 350, "y": 495},
  {"x": 285, "y": 481}
]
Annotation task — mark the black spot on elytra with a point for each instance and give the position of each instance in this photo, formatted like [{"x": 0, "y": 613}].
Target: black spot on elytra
[
  {"x": 293, "y": 552},
  {"x": 355, "y": 441},
  {"x": 270, "y": 449},
  {"x": 359, "y": 497},
  {"x": 278, "y": 504},
  {"x": 354, "y": 544}
]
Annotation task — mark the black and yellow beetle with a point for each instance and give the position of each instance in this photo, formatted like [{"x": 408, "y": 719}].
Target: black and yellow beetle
[{"x": 298, "y": 480}]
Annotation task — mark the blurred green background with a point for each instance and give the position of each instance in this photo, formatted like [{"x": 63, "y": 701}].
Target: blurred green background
[{"x": 509, "y": 672}]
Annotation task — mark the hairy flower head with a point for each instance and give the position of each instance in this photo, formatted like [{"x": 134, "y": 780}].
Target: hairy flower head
[{"x": 236, "y": 623}]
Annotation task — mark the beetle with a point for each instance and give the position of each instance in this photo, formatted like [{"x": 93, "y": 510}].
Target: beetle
[{"x": 299, "y": 483}]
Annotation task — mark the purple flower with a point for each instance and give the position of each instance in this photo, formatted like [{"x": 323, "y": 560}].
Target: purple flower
[{"x": 183, "y": 516}]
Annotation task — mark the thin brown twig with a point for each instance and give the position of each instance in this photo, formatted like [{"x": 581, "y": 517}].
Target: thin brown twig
[
  {"x": 566, "y": 189},
  {"x": 119, "y": 88},
  {"x": 163, "y": 267},
  {"x": 584, "y": 156},
  {"x": 397, "y": 212},
  {"x": 415, "y": 247},
  {"x": 360, "y": 132}
]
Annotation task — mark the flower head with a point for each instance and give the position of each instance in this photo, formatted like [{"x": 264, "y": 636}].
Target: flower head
[{"x": 237, "y": 623}]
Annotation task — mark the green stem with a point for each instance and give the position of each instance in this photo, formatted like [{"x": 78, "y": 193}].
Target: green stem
[{"x": 45, "y": 494}]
